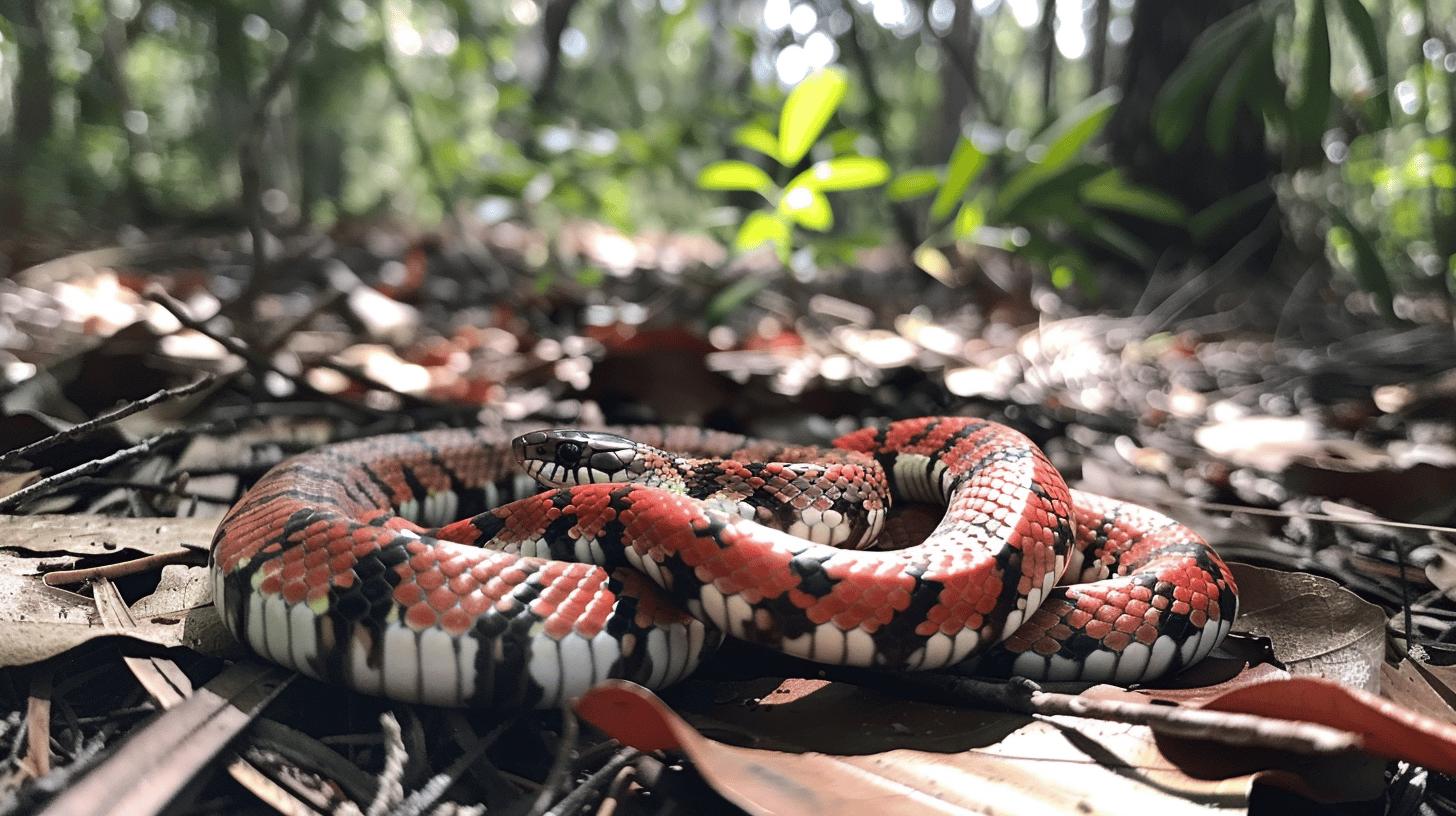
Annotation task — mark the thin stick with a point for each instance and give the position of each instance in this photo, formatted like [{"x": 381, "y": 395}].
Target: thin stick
[
  {"x": 38, "y": 724},
  {"x": 1346, "y": 520},
  {"x": 558, "y": 775},
  {"x": 1025, "y": 697},
  {"x": 261, "y": 363},
  {"x": 121, "y": 568},
  {"x": 50, "y": 483},
  {"x": 600, "y": 779},
  {"x": 90, "y": 426}
]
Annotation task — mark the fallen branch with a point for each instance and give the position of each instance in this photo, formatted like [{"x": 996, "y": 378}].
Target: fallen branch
[
  {"x": 1248, "y": 730},
  {"x": 261, "y": 363},
  {"x": 560, "y": 766},
  {"x": 90, "y": 426},
  {"x": 122, "y": 568},
  {"x": 54, "y": 482}
]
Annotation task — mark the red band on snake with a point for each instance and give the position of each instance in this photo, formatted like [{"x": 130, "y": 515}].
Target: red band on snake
[{"x": 330, "y": 565}]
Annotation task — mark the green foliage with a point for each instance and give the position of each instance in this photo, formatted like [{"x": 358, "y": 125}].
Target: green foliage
[
  {"x": 1370, "y": 180},
  {"x": 801, "y": 202},
  {"x": 1034, "y": 200}
]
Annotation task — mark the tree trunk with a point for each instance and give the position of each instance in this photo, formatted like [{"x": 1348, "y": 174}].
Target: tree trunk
[
  {"x": 35, "y": 92},
  {"x": 1163, "y": 34}
]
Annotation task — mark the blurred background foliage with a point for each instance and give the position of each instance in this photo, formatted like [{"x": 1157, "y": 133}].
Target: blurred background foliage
[{"x": 1285, "y": 140}]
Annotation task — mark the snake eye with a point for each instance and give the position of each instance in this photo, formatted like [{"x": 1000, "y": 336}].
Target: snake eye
[{"x": 567, "y": 453}]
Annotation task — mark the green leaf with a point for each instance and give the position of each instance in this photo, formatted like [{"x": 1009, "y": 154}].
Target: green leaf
[
  {"x": 966, "y": 162},
  {"x": 843, "y": 142},
  {"x": 968, "y": 220},
  {"x": 1368, "y": 38},
  {"x": 734, "y": 175},
  {"x": 808, "y": 207},
  {"x": 1232, "y": 92},
  {"x": 934, "y": 263},
  {"x": 1111, "y": 191},
  {"x": 1313, "y": 109},
  {"x": 1181, "y": 96},
  {"x": 732, "y": 297},
  {"x": 1032, "y": 193},
  {"x": 1066, "y": 137},
  {"x": 1118, "y": 240},
  {"x": 913, "y": 184},
  {"x": 1368, "y": 269},
  {"x": 760, "y": 228},
  {"x": 807, "y": 111},
  {"x": 844, "y": 173},
  {"x": 759, "y": 139},
  {"x": 1208, "y": 221}
]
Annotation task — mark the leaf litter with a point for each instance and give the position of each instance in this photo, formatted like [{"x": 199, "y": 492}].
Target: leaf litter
[{"x": 1223, "y": 429}]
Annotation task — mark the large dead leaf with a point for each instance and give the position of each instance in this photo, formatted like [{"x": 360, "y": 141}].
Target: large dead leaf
[
  {"x": 835, "y": 748},
  {"x": 1318, "y": 628},
  {"x": 39, "y": 621},
  {"x": 102, "y": 535},
  {"x": 1387, "y": 729}
]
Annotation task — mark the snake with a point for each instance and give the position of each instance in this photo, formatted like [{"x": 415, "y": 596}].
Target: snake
[{"x": 498, "y": 569}]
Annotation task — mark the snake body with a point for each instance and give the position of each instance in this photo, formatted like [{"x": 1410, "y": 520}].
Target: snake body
[{"x": 427, "y": 567}]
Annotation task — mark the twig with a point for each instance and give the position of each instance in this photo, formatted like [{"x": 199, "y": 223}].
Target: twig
[
  {"x": 1220, "y": 507},
  {"x": 287, "y": 330},
  {"x": 38, "y": 725},
  {"x": 573, "y": 802},
  {"x": 557, "y": 776},
  {"x": 51, "y": 483},
  {"x": 261, "y": 363},
  {"x": 613, "y": 797},
  {"x": 122, "y": 568},
  {"x": 90, "y": 426},
  {"x": 1025, "y": 697}
]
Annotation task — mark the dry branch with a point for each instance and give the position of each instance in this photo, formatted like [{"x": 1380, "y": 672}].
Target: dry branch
[
  {"x": 1247, "y": 730},
  {"x": 56, "y": 481},
  {"x": 90, "y": 426}
]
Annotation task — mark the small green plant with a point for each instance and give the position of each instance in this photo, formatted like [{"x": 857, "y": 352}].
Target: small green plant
[
  {"x": 801, "y": 202},
  {"x": 1044, "y": 200}
]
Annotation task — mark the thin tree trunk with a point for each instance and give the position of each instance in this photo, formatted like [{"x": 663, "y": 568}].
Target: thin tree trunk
[
  {"x": 35, "y": 95},
  {"x": 114, "y": 48},
  {"x": 1047, "y": 42},
  {"x": 1097, "y": 53}
]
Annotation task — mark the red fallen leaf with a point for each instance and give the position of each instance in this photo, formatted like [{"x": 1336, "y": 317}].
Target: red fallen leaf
[
  {"x": 784, "y": 339},
  {"x": 1387, "y": 729},
  {"x": 879, "y": 756}
]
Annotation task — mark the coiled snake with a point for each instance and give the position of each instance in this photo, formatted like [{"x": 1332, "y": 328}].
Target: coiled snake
[{"x": 347, "y": 563}]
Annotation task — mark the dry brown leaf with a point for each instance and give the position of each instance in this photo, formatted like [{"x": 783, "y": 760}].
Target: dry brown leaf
[
  {"x": 102, "y": 535},
  {"x": 1406, "y": 685},
  {"x": 39, "y": 621},
  {"x": 834, "y": 748},
  {"x": 1318, "y": 628}
]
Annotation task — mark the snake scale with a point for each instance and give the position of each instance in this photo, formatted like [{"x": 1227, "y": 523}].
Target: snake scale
[{"x": 430, "y": 567}]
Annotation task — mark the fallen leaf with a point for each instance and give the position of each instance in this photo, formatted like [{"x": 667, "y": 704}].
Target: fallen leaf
[
  {"x": 1317, "y": 627},
  {"x": 835, "y": 751},
  {"x": 39, "y": 621},
  {"x": 1388, "y": 729},
  {"x": 102, "y": 535},
  {"x": 1406, "y": 685}
]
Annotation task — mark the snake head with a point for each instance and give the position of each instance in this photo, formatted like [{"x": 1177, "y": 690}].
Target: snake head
[{"x": 562, "y": 457}]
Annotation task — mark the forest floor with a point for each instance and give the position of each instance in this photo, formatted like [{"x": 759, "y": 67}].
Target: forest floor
[{"x": 139, "y": 399}]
